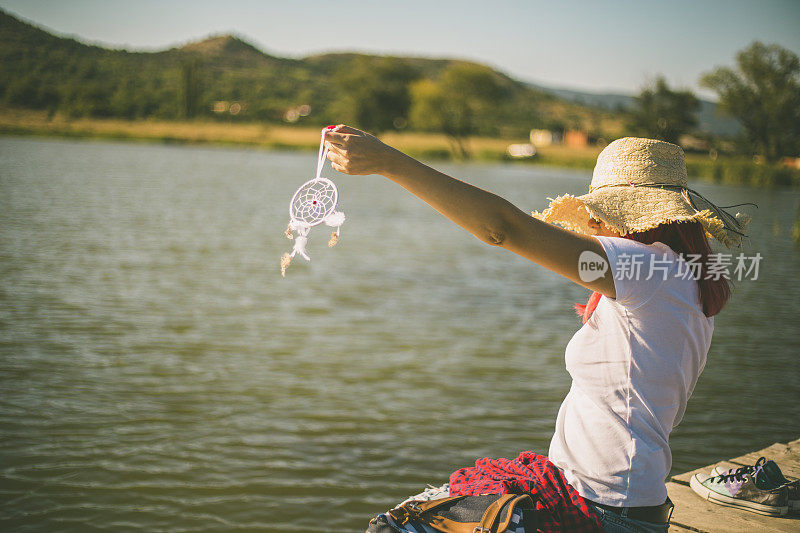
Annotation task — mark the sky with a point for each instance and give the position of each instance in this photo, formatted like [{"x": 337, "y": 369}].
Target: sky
[{"x": 597, "y": 46}]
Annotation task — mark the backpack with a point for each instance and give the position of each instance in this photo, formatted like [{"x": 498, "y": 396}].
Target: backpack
[{"x": 491, "y": 513}]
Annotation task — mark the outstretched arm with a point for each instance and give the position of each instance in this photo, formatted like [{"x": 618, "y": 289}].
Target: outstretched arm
[{"x": 487, "y": 216}]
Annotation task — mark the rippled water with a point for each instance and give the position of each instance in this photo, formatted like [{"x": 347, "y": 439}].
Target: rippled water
[{"x": 158, "y": 374}]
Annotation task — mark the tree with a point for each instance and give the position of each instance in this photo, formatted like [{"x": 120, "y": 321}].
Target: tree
[
  {"x": 374, "y": 93},
  {"x": 661, "y": 113},
  {"x": 456, "y": 103},
  {"x": 763, "y": 93},
  {"x": 190, "y": 88}
]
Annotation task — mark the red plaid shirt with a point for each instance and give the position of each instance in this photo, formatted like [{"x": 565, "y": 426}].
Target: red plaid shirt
[{"x": 560, "y": 506}]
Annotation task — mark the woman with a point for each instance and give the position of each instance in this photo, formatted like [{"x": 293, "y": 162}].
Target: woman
[{"x": 647, "y": 326}]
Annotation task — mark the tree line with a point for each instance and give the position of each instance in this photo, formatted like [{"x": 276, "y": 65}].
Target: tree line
[
  {"x": 762, "y": 91},
  {"x": 230, "y": 80}
]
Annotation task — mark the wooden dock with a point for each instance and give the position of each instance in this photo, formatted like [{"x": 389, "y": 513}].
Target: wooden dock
[{"x": 693, "y": 513}]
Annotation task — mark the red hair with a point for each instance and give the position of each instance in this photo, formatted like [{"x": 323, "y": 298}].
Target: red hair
[{"x": 684, "y": 238}]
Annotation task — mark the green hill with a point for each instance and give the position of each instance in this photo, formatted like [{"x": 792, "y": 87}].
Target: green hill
[{"x": 42, "y": 71}]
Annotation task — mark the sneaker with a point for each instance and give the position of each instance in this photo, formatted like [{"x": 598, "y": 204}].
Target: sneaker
[
  {"x": 775, "y": 475},
  {"x": 749, "y": 490}
]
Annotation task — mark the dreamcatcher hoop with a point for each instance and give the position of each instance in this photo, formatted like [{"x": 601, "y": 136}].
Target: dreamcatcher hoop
[{"x": 314, "y": 203}]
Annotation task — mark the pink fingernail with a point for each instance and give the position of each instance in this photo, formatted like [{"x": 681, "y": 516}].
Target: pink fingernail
[{"x": 330, "y": 127}]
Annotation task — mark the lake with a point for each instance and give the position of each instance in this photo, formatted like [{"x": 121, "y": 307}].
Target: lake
[{"x": 158, "y": 374}]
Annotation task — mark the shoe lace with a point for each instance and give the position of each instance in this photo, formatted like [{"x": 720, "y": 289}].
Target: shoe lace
[{"x": 740, "y": 474}]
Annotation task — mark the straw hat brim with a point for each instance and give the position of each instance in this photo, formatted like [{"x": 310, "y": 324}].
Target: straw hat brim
[{"x": 632, "y": 210}]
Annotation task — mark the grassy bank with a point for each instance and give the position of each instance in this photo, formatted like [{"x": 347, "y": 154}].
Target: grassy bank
[
  {"x": 741, "y": 171},
  {"x": 731, "y": 170}
]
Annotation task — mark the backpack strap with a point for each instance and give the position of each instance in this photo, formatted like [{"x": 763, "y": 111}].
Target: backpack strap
[
  {"x": 492, "y": 515},
  {"x": 489, "y": 523}
]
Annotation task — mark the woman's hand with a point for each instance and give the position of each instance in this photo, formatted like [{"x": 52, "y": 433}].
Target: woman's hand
[{"x": 353, "y": 151}]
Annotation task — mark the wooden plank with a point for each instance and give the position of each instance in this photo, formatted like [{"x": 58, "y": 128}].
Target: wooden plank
[
  {"x": 786, "y": 455},
  {"x": 694, "y": 513},
  {"x": 680, "y": 529}
]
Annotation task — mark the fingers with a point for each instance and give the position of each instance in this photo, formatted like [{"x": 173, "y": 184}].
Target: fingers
[
  {"x": 338, "y": 160},
  {"x": 340, "y": 134},
  {"x": 338, "y": 150},
  {"x": 346, "y": 162},
  {"x": 336, "y": 154},
  {"x": 343, "y": 128},
  {"x": 338, "y": 139}
]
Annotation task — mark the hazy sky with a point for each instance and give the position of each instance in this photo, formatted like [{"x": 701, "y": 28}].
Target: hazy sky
[{"x": 599, "y": 45}]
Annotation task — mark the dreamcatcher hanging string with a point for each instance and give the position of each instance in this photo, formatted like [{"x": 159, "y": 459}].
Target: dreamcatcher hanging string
[{"x": 314, "y": 203}]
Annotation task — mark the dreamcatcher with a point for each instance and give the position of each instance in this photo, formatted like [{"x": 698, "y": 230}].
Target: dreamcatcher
[{"x": 314, "y": 203}]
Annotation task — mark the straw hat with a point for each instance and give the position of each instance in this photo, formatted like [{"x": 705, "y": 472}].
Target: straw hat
[{"x": 637, "y": 185}]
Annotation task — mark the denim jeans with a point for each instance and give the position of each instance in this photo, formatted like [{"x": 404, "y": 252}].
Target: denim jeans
[{"x": 614, "y": 523}]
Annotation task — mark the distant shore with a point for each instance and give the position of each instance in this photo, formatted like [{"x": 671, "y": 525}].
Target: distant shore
[{"x": 723, "y": 169}]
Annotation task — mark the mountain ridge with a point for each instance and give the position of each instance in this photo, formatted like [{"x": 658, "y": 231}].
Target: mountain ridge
[
  {"x": 43, "y": 70},
  {"x": 708, "y": 117}
]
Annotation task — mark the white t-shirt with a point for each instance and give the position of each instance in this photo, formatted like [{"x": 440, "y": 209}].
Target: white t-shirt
[{"x": 634, "y": 365}]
